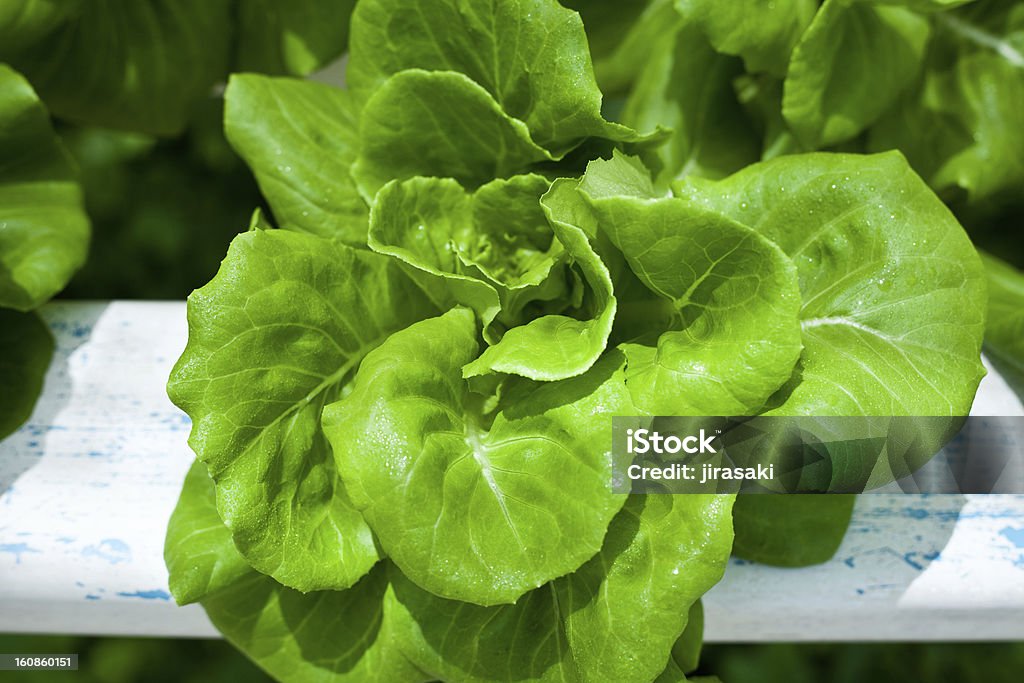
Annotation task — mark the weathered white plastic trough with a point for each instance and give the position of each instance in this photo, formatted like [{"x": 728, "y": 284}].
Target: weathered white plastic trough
[{"x": 87, "y": 485}]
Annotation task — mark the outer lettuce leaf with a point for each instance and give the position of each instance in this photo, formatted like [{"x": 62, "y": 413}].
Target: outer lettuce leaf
[
  {"x": 44, "y": 231},
  {"x": 295, "y": 37},
  {"x": 132, "y": 64},
  {"x": 686, "y": 86},
  {"x": 790, "y": 530},
  {"x": 736, "y": 335},
  {"x": 329, "y": 636},
  {"x": 615, "y": 619},
  {"x": 960, "y": 127},
  {"x": 300, "y": 139},
  {"x": 853, "y": 62},
  {"x": 762, "y": 33},
  {"x": 1004, "y": 333},
  {"x": 531, "y": 56},
  {"x": 470, "y": 505},
  {"x": 201, "y": 558},
  {"x": 273, "y": 338},
  {"x": 441, "y": 123},
  {"x": 25, "y": 351},
  {"x": 893, "y": 291}
]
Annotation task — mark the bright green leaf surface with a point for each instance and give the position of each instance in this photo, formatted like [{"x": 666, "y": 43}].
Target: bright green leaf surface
[
  {"x": 531, "y": 56},
  {"x": 325, "y": 636},
  {"x": 421, "y": 123},
  {"x": 790, "y": 530},
  {"x": 852, "y": 63},
  {"x": 614, "y": 619},
  {"x": 273, "y": 338},
  {"x": 201, "y": 558},
  {"x": 735, "y": 336},
  {"x": 300, "y": 147},
  {"x": 893, "y": 291},
  {"x": 762, "y": 33},
  {"x": 469, "y": 505},
  {"x": 295, "y": 37},
  {"x": 25, "y": 351},
  {"x": 132, "y": 64},
  {"x": 44, "y": 232}
]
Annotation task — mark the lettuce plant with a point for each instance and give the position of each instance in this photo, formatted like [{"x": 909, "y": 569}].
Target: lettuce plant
[
  {"x": 401, "y": 395},
  {"x": 135, "y": 65},
  {"x": 44, "y": 234}
]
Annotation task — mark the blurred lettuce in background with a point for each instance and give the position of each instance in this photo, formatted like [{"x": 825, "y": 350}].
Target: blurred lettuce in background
[{"x": 172, "y": 204}]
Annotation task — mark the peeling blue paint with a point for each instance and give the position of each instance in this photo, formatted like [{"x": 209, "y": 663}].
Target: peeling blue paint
[
  {"x": 1014, "y": 536},
  {"x": 17, "y": 549},
  {"x": 848, "y": 562},
  {"x": 113, "y": 550},
  {"x": 155, "y": 594},
  {"x": 924, "y": 558}
]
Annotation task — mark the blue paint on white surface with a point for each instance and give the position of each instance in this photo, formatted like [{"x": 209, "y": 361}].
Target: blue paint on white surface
[
  {"x": 848, "y": 562},
  {"x": 113, "y": 550},
  {"x": 918, "y": 560},
  {"x": 156, "y": 594},
  {"x": 65, "y": 540},
  {"x": 92, "y": 597},
  {"x": 17, "y": 549},
  {"x": 1015, "y": 536}
]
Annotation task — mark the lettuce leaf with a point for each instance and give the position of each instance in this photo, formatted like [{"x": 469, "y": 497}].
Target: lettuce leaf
[{"x": 44, "y": 232}]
